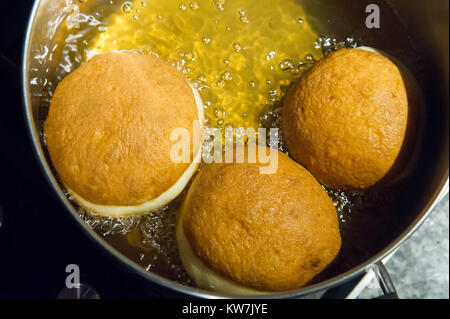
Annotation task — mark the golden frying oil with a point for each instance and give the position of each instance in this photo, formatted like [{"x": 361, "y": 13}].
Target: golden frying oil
[{"x": 238, "y": 54}]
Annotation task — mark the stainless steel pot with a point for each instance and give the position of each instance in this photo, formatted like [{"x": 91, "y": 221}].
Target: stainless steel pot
[{"x": 428, "y": 25}]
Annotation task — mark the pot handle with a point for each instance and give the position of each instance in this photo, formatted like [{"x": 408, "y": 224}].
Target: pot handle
[
  {"x": 385, "y": 281},
  {"x": 352, "y": 288}
]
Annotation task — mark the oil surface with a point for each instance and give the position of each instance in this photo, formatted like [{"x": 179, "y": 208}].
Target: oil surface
[
  {"x": 237, "y": 54},
  {"x": 241, "y": 56}
]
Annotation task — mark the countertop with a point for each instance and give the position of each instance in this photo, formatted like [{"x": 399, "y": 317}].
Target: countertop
[{"x": 420, "y": 268}]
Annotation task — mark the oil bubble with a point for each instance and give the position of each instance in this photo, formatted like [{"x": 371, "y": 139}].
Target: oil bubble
[
  {"x": 237, "y": 47},
  {"x": 271, "y": 55},
  {"x": 286, "y": 64},
  {"x": 218, "y": 112},
  {"x": 226, "y": 76},
  {"x": 194, "y": 5},
  {"x": 127, "y": 7},
  {"x": 219, "y": 4},
  {"x": 243, "y": 16},
  {"x": 309, "y": 57}
]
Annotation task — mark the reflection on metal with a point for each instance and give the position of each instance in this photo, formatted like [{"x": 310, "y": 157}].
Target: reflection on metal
[{"x": 384, "y": 280}]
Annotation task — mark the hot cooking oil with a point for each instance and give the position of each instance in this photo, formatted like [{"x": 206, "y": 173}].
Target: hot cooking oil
[{"x": 237, "y": 54}]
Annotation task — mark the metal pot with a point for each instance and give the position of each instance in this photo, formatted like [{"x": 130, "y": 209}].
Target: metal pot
[{"x": 426, "y": 22}]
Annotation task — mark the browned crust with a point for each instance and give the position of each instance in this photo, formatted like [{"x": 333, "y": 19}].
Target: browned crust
[
  {"x": 109, "y": 124},
  {"x": 345, "y": 120},
  {"x": 269, "y": 232}
]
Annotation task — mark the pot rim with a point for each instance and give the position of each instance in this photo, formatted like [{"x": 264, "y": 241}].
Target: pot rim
[{"x": 438, "y": 194}]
